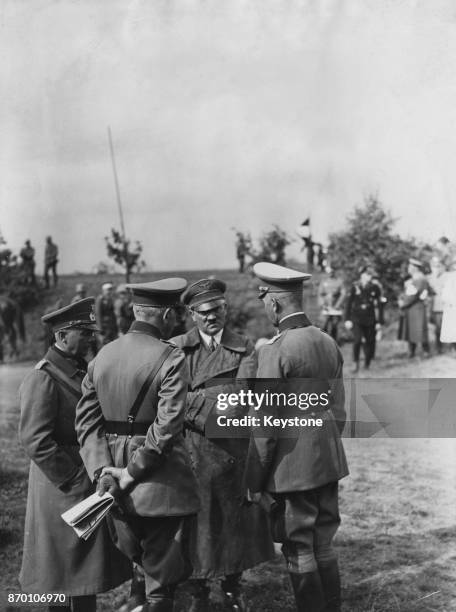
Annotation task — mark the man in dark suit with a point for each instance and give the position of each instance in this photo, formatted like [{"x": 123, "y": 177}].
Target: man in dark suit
[
  {"x": 130, "y": 427},
  {"x": 302, "y": 466},
  {"x": 55, "y": 560}
]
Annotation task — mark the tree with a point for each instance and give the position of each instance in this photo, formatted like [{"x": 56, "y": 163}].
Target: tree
[
  {"x": 125, "y": 255},
  {"x": 370, "y": 239},
  {"x": 272, "y": 246}
]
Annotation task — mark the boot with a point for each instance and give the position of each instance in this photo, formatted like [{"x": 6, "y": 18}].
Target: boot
[
  {"x": 235, "y": 600},
  {"x": 330, "y": 580},
  {"x": 355, "y": 368},
  {"x": 200, "y": 597},
  {"x": 308, "y": 592},
  {"x": 159, "y": 604},
  {"x": 137, "y": 592}
]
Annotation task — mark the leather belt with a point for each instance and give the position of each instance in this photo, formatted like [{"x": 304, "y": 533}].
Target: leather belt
[{"x": 124, "y": 428}]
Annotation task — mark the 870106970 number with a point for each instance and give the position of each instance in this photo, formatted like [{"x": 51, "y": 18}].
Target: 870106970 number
[{"x": 21, "y": 599}]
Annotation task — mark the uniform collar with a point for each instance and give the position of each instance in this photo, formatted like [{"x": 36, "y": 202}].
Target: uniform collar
[
  {"x": 66, "y": 363},
  {"x": 207, "y": 339},
  {"x": 229, "y": 339},
  {"x": 296, "y": 319},
  {"x": 141, "y": 327}
]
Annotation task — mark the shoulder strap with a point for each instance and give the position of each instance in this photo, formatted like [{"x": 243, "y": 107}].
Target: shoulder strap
[
  {"x": 147, "y": 383},
  {"x": 61, "y": 378}
]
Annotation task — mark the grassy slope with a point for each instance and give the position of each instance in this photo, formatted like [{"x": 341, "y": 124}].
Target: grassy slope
[{"x": 396, "y": 542}]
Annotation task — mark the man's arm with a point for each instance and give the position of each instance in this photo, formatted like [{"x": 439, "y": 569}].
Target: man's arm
[
  {"x": 169, "y": 421},
  {"x": 262, "y": 449},
  {"x": 90, "y": 428},
  {"x": 39, "y": 411}
]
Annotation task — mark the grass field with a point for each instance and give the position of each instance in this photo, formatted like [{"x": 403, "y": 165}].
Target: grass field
[{"x": 397, "y": 541}]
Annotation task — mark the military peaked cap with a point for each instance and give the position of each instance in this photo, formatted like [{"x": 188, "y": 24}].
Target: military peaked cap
[
  {"x": 279, "y": 279},
  {"x": 205, "y": 293},
  {"x": 79, "y": 315},
  {"x": 162, "y": 293}
]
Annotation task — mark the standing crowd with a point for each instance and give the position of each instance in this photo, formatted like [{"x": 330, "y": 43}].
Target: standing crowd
[{"x": 135, "y": 422}]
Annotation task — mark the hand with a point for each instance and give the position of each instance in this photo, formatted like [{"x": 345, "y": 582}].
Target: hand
[
  {"x": 378, "y": 326},
  {"x": 121, "y": 475},
  {"x": 348, "y": 325},
  {"x": 107, "y": 484},
  {"x": 253, "y": 498}
]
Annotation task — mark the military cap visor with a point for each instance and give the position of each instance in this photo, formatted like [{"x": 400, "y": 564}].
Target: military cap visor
[
  {"x": 204, "y": 293},
  {"x": 79, "y": 315},
  {"x": 278, "y": 279},
  {"x": 159, "y": 294}
]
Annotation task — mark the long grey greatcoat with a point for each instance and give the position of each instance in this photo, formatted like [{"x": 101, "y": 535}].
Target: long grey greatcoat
[
  {"x": 158, "y": 461},
  {"x": 55, "y": 560},
  {"x": 299, "y": 354},
  {"x": 228, "y": 536},
  {"x": 413, "y": 327}
]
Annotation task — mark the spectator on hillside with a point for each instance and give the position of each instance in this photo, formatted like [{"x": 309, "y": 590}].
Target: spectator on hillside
[
  {"x": 27, "y": 255},
  {"x": 104, "y": 312},
  {"x": 413, "y": 326},
  {"x": 81, "y": 293},
  {"x": 437, "y": 282},
  {"x": 331, "y": 297},
  {"x": 51, "y": 260}
]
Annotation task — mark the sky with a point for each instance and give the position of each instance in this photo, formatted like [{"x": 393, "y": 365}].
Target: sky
[{"x": 240, "y": 114}]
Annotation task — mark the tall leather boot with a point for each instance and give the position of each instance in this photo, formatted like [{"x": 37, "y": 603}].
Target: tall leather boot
[
  {"x": 160, "y": 600},
  {"x": 234, "y": 598},
  {"x": 159, "y": 604},
  {"x": 137, "y": 592},
  {"x": 330, "y": 580},
  {"x": 308, "y": 592}
]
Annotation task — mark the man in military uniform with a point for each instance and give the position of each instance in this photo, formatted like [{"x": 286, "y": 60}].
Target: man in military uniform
[
  {"x": 301, "y": 467},
  {"x": 228, "y": 537},
  {"x": 55, "y": 560},
  {"x": 364, "y": 315},
  {"x": 331, "y": 296},
  {"x": 51, "y": 259},
  {"x": 130, "y": 427},
  {"x": 104, "y": 312},
  {"x": 27, "y": 255}
]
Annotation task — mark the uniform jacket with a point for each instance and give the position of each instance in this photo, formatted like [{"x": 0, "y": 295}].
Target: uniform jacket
[
  {"x": 364, "y": 304},
  {"x": 228, "y": 536},
  {"x": 54, "y": 558},
  {"x": 165, "y": 483},
  {"x": 315, "y": 456}
]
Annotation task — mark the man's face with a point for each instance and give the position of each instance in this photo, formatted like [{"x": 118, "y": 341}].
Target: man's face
[
  {"x": 76, "y": 341},
  {"x": 211, "y": 320},
  {"x": 107, "y": 292}
]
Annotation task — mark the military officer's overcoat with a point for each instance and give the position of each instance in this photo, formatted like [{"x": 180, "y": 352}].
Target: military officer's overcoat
[
  {"x": 55, "y": 560},
  {"x": 229, "y": 536}
]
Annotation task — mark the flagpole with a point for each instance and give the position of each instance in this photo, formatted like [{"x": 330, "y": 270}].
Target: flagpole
[{"x": 116, "y": 183}]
